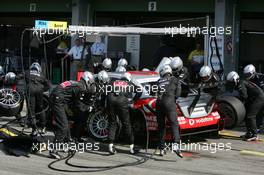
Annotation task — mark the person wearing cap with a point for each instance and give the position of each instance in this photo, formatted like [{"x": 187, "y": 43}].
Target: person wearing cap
[{"x": 78, "y": 54}]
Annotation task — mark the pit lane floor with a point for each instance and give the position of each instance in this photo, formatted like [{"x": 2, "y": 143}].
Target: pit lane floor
[{"x": 244, "y": 158}]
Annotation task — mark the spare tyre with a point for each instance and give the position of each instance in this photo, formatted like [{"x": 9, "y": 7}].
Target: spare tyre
[
  {"x": 232, "y": 110},
  {"x": 9, "y": 102}
]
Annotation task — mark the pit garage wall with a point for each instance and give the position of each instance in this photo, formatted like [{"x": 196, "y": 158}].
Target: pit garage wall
[
  {"x": 111, "y": 12},
  {"x": 243, "y": 6}
]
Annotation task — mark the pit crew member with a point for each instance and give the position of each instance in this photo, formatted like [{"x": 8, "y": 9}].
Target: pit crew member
[
  {"x": 254, "y": 99},
  {"x": 36, "y": 85},
  {"x": 118, "y": 101},
  {"x": 257, "y": 78},
  {"x": 71, "y": 93},
  {"x": 169, "y": 91}
]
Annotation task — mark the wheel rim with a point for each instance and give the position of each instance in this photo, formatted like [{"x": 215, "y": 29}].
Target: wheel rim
[
  {"x": 228, "y": 114},
  {"x": 10, "y": 98},
  {"x": 98, "y": 125}
]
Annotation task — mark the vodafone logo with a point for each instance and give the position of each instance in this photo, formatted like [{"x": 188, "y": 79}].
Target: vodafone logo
[
  {"x": 199, "y": 121},
  {"x": 191, "y": 122}
]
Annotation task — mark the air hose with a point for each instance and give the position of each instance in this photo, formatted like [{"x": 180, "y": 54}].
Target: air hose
[{"x": 102, "y": 168}]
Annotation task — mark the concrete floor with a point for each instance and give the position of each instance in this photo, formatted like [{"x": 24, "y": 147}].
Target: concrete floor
[{"x": 244, "y": 158}]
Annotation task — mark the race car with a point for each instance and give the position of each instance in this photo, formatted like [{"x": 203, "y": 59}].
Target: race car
[{"x": 203, "y": 117}]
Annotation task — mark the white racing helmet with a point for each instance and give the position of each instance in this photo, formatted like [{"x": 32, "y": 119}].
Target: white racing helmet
[
  {"x": 127, "y": 76},
  {"x": 176, "y": 64},
  {"x": 36, "y": 67},
  {"x": 120, "y": 69},
  {"x": 205, "y": 73},
  {"x": 87, "y": 77},
  {"x": 122, "y": 62},
  {"x": 107, "y": 63},
  {"x": 249, "y": 71},
  {"x": 232, "y": 77},
  {"x": 10, "y": 78},
  {"x": 103, "y": 77},
  {"x": 166, "y": 69}
]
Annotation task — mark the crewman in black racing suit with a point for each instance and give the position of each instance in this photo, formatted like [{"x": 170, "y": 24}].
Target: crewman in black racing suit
[
  {"x": 254, "y": 100},
  {"x": 258, "y": 79},
  {"x": 71, "y": 93},
  {"x": 36, "y": 85},
  {"x": 209, "y": 81},
  {"x": 118, "y": 94},
  {"x": 169, "y": 91}
]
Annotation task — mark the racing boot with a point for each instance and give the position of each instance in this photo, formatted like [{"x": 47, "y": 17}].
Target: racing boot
[
  {"x": 162, "y": 152},
  {"x": 247, "y": 134},
  {"x": 54, "y": 154},
  {"x": 177, "y": 150},
  {"x": 112, "y": 149},
  {"x": 251, "y": 136},
  {"x": 132, "y": 149}
]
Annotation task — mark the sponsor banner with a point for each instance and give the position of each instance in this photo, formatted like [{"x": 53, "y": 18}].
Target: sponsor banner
[
  {"x": 190, "y": 123},
  {"x": 43, "y": 24}
]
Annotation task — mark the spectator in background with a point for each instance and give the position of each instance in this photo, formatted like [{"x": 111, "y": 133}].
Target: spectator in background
[
  {"x": 98, "y": 52},
  {"x": 166, "y": 50},
  {"x": 196, "y": 59},
  {"x": 78, "y": 54}
]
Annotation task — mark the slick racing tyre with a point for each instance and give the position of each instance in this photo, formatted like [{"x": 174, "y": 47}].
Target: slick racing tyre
[
  {"x": 232, "y": 110},
  {"x": 9, "y": 102}
]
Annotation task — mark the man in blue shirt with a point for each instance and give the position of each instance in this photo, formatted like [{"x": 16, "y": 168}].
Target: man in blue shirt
[{"x": 98, "y": 51}]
